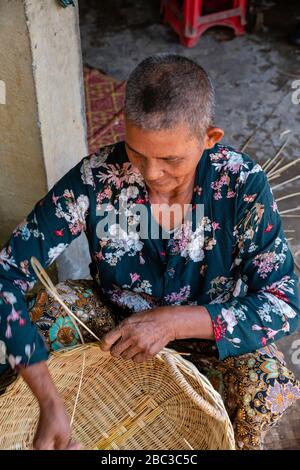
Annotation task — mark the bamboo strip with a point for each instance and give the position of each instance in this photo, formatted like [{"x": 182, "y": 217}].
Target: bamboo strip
[
  {"x": 44, "y": 278},
  {"x": 276, "y": 175},
  {"x": 246, "y": 143},
  {"x": 285, "y": 182},
  {"x": 265, "y": 163},
  {"x": 287, "y": 196},
  {"x": 145, "y": 413},
  {"x": 277, "y": 154},
  {"x": 79, "y": 388},
  {"x": 289, "y": 210},
  {"x": 285, "y": 167},
  {"x": 272, "y": 171}
]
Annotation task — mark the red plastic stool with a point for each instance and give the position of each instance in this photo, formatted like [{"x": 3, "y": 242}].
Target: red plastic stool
[{"x": 188, "y": 18}]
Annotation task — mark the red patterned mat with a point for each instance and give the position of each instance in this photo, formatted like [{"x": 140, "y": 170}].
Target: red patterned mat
[{"x": 104, "y": 101}]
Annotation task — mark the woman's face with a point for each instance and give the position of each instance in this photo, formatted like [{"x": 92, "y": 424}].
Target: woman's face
[{"x": 166, "y": 158}]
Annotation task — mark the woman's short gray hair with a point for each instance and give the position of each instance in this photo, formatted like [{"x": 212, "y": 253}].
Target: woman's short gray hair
[{"x": 166, "y": 90}]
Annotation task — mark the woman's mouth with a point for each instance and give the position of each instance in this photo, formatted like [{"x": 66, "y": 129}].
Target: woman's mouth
[{"x": 157, "y": 183}]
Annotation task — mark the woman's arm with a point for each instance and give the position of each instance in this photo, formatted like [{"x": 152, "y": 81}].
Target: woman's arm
[
  {"x": 53, "y": 431},
  {"x": 53, "y": 224},
  {"x": 144, "y": 334},
  {"x": 265, "y": 303},
  {"x": 192, "y": 321}
]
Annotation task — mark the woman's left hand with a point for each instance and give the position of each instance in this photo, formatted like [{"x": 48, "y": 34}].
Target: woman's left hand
[{"x": 142, "y": 335}]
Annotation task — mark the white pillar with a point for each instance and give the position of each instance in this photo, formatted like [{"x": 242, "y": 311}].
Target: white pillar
[{"x": 40, "y": 45}]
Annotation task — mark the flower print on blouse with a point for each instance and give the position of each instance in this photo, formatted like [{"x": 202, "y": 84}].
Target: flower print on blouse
[{"x": 235, "y": 260}]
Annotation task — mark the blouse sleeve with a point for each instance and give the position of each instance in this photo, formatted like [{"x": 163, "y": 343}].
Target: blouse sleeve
[
  {"x": 264, "y": 305},
  {"x": 54, "y": 222}
]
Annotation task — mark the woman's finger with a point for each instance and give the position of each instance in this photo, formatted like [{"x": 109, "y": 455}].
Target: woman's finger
[
  {"x": 120, "y": 346},
  {"x": 41, "y": 444},
  {"x": 61, "y": 442},
  {"x": 73, "y": 446},
  {"x": 130, "y": 352},
  {"x": 111, "y": 338},
  {"x": 141, "y": 357}
]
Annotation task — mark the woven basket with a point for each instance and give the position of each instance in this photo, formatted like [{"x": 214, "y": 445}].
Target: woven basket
[{"x": 164, "y": 403}]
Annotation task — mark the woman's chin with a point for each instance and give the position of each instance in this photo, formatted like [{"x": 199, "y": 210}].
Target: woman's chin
[{"x": 161, "y": 187}]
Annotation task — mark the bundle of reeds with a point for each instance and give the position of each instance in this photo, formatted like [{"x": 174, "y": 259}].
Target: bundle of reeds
[{"x": 276, "y": 169}]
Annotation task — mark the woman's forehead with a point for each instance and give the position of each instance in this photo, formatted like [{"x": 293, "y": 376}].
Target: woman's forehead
[{"x": 160, "y": 143}]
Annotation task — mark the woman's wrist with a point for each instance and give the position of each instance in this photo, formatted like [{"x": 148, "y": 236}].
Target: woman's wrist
[{"x": 190, "y": 321}]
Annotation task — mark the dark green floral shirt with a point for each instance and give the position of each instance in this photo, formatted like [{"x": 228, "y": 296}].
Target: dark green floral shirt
[{"x": 234, "y": 260}]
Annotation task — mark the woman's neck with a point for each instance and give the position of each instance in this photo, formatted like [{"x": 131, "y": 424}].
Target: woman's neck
[
  {"x": 169, "y": 209},
  {"x": 179, "y": 195}
]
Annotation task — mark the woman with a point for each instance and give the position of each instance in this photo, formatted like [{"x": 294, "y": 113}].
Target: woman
[{"x": 202, "y": 255}]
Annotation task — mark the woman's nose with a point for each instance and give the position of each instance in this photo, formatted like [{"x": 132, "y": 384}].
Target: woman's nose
[{"x": 152, "y": 172}]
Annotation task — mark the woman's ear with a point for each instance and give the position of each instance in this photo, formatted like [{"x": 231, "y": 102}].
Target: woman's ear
[{"x": 213, "y": 136}]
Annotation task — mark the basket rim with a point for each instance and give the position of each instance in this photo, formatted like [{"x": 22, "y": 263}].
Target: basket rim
[{"x": 181, "y": 362}]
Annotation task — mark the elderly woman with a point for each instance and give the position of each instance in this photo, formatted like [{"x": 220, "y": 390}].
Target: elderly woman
[{"x": 187, "y": 249}]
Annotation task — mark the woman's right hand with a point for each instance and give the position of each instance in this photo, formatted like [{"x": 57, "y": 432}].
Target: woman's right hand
[{"x": 54, "y": 430}]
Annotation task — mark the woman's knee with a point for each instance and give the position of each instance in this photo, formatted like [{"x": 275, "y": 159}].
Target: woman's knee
[
  {"x": 270, "y": 389},
  {"x": 55, "y": 324}
]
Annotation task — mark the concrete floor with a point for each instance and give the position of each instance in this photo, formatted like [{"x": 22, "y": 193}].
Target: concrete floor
[{"x": 253, "y": 78}]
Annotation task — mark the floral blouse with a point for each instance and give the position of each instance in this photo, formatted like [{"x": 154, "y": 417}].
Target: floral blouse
[{"x": 235, "y": 260}]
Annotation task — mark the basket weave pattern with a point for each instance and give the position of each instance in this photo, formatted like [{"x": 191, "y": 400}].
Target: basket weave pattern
[{"x": 164, "y": 403}]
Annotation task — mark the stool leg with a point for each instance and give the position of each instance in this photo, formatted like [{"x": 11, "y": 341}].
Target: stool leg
[
  {"x": 192, "y": 9},
  {"x": 243, "y": 7},
  {"x": 187, "y": 27}
]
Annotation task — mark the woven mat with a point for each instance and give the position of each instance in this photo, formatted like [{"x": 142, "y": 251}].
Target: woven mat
[{"x": 104, "y": 98}]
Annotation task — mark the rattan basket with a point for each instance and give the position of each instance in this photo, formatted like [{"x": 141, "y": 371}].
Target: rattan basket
[{"x": 164, "y": 403}]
